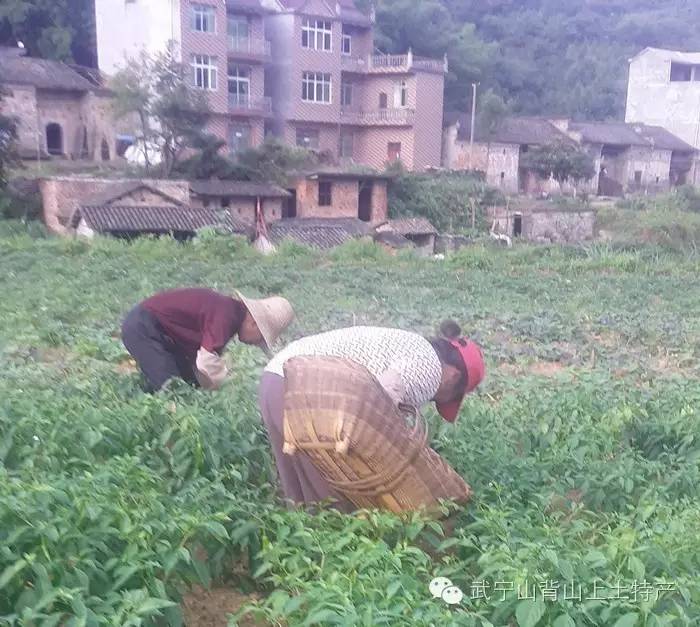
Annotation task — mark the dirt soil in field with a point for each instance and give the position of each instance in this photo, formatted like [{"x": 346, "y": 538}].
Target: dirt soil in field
[{"x": 211, "y": 608}]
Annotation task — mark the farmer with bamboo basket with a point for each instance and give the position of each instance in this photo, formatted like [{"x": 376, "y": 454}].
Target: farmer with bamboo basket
[{"x": 342, "y": 412}]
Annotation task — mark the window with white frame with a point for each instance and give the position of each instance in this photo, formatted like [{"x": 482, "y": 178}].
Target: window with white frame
[
  {"x": 205, "y": 71},
  {"x": 346, "y": 42},
  {"x": 346, "y": 94},
  {"x": 203, "y": 18},
  {"x": 316, "y": 34},
  {"x": 316, "y": 87},
  {"x": 239, "y": 32},
  {"x": 308, "y": 138},
  {"x": 239, "y": 85},
  {"x": 400, "y": 95}
]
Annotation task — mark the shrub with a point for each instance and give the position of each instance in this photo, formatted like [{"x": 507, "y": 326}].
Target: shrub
[{"x": 446, "y": 199}]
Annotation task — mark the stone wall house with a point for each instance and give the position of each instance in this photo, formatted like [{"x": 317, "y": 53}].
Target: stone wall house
[
  {"x": 240, "y": 198},
  {"x": 63, "y": 111},
  {"x": 331, "y": 193},
  {"x": 627, "y": 157},
  {"x": 634, "y": 157},
  {"x": 62, "y": 196},
  {"x": 418, "y": 231},
  {"x": 543, "y": 222},
  {"x": 497, "y": 152}
]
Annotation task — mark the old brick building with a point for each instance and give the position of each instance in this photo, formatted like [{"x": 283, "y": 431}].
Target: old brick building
[
  {"x": 329, "y": 193},
  {"x": 303, "y": 70},
  {"x": 496, "y": 152},
  {"x": 626, "y": 157},
  {"x": 62, "y": 110}
]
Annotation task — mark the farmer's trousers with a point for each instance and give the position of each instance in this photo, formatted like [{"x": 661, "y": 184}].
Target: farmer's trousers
[
  {"x": 155, "y": 352},
  {"x": 300, "y": 481}
]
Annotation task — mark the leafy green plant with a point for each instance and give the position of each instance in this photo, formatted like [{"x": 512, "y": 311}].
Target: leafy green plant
[{"x": 580, "y": 447}]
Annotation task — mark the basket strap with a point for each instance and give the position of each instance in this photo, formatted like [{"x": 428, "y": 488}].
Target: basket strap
[{"x": 378, "y": 484}]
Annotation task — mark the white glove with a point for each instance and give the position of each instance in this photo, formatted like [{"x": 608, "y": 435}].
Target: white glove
[{"x": 211, "y": 370}]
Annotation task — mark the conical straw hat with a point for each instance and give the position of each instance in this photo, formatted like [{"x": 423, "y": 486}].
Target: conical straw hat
[{"x": 272, "y": 315}]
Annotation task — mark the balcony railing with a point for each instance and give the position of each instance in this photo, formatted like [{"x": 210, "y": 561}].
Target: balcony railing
[
  {"x": 249, "y": 47},
  {"x": 392, "y": 63},
  {"x": 246, "y": 103},
  {"x": 378, "y": 117}
]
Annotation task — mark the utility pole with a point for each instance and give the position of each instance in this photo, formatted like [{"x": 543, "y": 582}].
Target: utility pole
[{"x": 471, "y": 135}]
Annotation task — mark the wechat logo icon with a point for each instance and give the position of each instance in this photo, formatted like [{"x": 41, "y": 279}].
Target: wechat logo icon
[{"x": 443, "y": 588}]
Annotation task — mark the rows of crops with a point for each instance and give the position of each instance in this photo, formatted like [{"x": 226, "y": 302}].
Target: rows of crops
[{"x": 582, "y": 447}]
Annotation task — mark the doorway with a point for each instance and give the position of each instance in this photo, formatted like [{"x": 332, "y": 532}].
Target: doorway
[
  {"x": 54, "y": 139},
  {"x": 364, "y": 201},
  {"x": 289, "y": 207},
  {"x": 517, "y": 225}
]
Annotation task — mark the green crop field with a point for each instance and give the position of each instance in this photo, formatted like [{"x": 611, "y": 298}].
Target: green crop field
[{"x": 582, "y": 447}]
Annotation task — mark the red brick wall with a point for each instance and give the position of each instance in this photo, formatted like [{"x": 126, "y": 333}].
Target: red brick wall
[
  {"x": 344, "y": 197},
  {"x": 380, "y": 212}
]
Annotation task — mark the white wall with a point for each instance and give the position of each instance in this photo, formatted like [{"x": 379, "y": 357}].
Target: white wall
[
  {"x": 653, "y": 99},
  {"x": 126, "y": 27}
]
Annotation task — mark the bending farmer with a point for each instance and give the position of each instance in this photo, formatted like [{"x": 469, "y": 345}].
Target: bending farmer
[
  {"x": 183, "y": 332},
  {"x": 412, "y": 369}
]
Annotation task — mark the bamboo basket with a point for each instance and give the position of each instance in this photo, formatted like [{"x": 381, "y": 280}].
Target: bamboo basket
[{"x": 337, "y": 414}]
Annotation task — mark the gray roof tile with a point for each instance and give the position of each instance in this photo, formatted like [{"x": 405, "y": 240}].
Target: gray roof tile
[
  {"x": 145, "y": 219},
  {"x": 318, "y": 232},
  {"x": 237, "y": 188}
]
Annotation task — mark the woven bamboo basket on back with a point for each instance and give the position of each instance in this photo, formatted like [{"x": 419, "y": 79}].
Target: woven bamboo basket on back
[{"x": 338, "y": 415}]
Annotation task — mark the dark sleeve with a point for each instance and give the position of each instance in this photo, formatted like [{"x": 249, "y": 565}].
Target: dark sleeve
[{"x": 221, "y": 322}]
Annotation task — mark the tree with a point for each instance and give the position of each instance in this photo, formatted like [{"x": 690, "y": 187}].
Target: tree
[
  {"x": 561, "y": 161},
  {"x": 546, "y": 57},
  {"x": 209, "y": 163},
  {"x": 52, "y": 29},
  {"x": 8, "y": 138},
  {"x": 450, "y": 201},
  {"x": 171, "y": 114}
]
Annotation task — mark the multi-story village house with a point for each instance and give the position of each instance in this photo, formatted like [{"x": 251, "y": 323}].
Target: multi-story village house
[
  {"x": 664, "y": 90},
  {"x": 303, "y": 70}
]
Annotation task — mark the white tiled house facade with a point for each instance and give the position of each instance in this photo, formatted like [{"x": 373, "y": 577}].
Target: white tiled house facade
[{"x": 304, "y": 70}]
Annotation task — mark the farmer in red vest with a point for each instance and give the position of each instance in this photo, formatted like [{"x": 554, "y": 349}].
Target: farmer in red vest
[{"x": 182, "y": 333}]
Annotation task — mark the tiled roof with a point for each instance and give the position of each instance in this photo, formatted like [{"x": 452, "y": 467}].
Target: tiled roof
[
  {"x": 41, "y": 73},
  {"x": 615, "y": 133},
  {"x": 510, "y": 130},
  {"x": 119, "y": 190},
  {"x": 237, "y": 188},
  {"x": 317, "y": 232},
  {"x": 111, "y": 218},
  {"x": 663, "y": 139},
  {"x": 410, "y": 226},
  {"x": 630, "y": 134},
  {"x": 540, "y": 131}
]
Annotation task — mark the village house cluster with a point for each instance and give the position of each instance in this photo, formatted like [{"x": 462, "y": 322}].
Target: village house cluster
[{"x": 307, "y": 72}]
